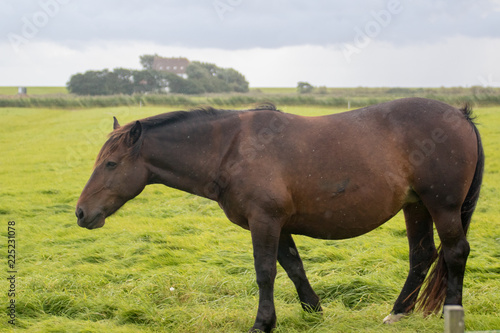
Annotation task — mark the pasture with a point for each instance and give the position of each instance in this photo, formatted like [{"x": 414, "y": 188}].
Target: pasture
[
  {"x": 34, "y": 90},
  {"x": 161, "y": 264}
]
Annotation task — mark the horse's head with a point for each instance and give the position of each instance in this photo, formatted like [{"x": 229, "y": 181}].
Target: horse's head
[{"x": 119, "y": 175}]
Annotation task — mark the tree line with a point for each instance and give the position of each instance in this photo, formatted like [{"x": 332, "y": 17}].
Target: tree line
[{"x": 201, "y": 78}]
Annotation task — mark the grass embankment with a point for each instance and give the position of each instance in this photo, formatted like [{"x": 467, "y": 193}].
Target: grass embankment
[
  {"x": 327, "y": 97},
  {"x": 169, "y": 261}
]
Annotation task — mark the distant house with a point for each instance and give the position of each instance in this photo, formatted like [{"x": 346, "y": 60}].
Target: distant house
[{"x": 172, "y": 65}]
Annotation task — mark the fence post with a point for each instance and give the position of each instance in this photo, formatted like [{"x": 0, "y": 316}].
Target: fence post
[{"x": 454, "y": 319}]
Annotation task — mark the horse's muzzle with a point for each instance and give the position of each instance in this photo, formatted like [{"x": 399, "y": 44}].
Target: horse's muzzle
[{"x": 93, "y": 222}]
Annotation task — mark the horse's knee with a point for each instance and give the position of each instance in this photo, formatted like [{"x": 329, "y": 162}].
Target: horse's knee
[{"x": 456, "y": 254}]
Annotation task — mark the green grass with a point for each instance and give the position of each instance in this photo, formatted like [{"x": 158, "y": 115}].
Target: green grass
[
  {"x": 171, "y": 262},
  {"x": 265, "y": 90},
  {"x": 34, "y": 90},
  {"x": 58, "y": 97}
]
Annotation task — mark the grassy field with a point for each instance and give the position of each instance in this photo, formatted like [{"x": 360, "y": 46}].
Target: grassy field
[
  {"x": 59, "y": 98},
  {"x": 34, "y": 90},
  {"x": 171, "y": 262}
]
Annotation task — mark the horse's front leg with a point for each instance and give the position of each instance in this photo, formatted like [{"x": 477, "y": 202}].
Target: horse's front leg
[
  {"x": 288, "y": 257},
  {"x": 265, "y": 238}
]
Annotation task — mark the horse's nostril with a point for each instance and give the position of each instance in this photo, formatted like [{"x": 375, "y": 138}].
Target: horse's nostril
[{"x": 79, "y": 213}]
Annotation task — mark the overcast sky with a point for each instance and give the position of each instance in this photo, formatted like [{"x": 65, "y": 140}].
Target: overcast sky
[{"x": 409, "y": 43}]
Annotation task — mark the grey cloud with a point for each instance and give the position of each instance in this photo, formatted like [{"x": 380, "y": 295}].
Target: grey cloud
[{"x": 236, "y": 24}]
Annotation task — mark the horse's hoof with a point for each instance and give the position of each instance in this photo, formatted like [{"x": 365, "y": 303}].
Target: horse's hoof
[
  {"x": 312, "y": 308},
  {"x": 392, "y": 318}
]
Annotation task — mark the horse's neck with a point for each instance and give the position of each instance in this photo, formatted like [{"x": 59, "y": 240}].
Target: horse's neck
[{"x": 187, "y": 158}]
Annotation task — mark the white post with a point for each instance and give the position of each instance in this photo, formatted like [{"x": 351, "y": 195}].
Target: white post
[{"x": 454, "y": 319}]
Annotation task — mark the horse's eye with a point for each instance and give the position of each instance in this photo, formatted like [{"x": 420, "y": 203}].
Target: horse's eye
[{"x": 111, "y": 165}]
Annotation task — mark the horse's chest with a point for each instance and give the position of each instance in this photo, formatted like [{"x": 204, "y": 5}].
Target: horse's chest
[{"x": 235, "y": 216}]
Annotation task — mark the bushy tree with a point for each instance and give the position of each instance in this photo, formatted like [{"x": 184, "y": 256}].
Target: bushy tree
[
  {"x": 99, "y": 83},
  {"x": 147, "y": 61},
  {"x": 304, "y": 87},
  {"x": 202, "y": 78},
  {"x": 179, "y": 85},
  {"x": 215, "y": 79},
  {"x": 124, "y": 81},
  {"x": 119, "y": 81},
  {"x": 235, "y": 80}
]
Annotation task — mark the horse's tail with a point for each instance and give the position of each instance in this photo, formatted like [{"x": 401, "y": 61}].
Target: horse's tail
[{"x": 433, "y": 295}]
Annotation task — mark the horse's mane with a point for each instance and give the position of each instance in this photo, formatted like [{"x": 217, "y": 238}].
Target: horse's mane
[{"x": 120, "y": 136}]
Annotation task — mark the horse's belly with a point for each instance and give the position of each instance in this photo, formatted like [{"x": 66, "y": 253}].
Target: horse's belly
[
  {"x": 344, "y": 217},
  {"x": 349, "y": 204},
  {"x": 334, "y": 224},
  {"x": 332, "y": 227}
]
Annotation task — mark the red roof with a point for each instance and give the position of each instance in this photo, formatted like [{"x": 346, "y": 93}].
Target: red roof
[{"x": 173, "y": 65}]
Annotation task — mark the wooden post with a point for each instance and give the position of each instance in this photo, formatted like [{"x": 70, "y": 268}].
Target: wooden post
[{"x": 454, "y": 319}]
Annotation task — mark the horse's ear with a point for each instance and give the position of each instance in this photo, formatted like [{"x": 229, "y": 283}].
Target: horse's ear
[
  {"x": 115, "y": 123},
  {"x": 135, "y": 132}
]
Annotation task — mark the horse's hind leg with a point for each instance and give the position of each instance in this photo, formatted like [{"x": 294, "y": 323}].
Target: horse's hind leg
[
  {"x": 455, "y": 248},
  {"x": 422, "y": 254},
  {"x": 289, "y": 258}
]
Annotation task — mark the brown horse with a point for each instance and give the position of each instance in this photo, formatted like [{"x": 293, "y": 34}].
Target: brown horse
[{"x": 329, "y": 177}]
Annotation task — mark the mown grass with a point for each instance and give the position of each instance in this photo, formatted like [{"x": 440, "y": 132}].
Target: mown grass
[{"x": 169, "y": 261}]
